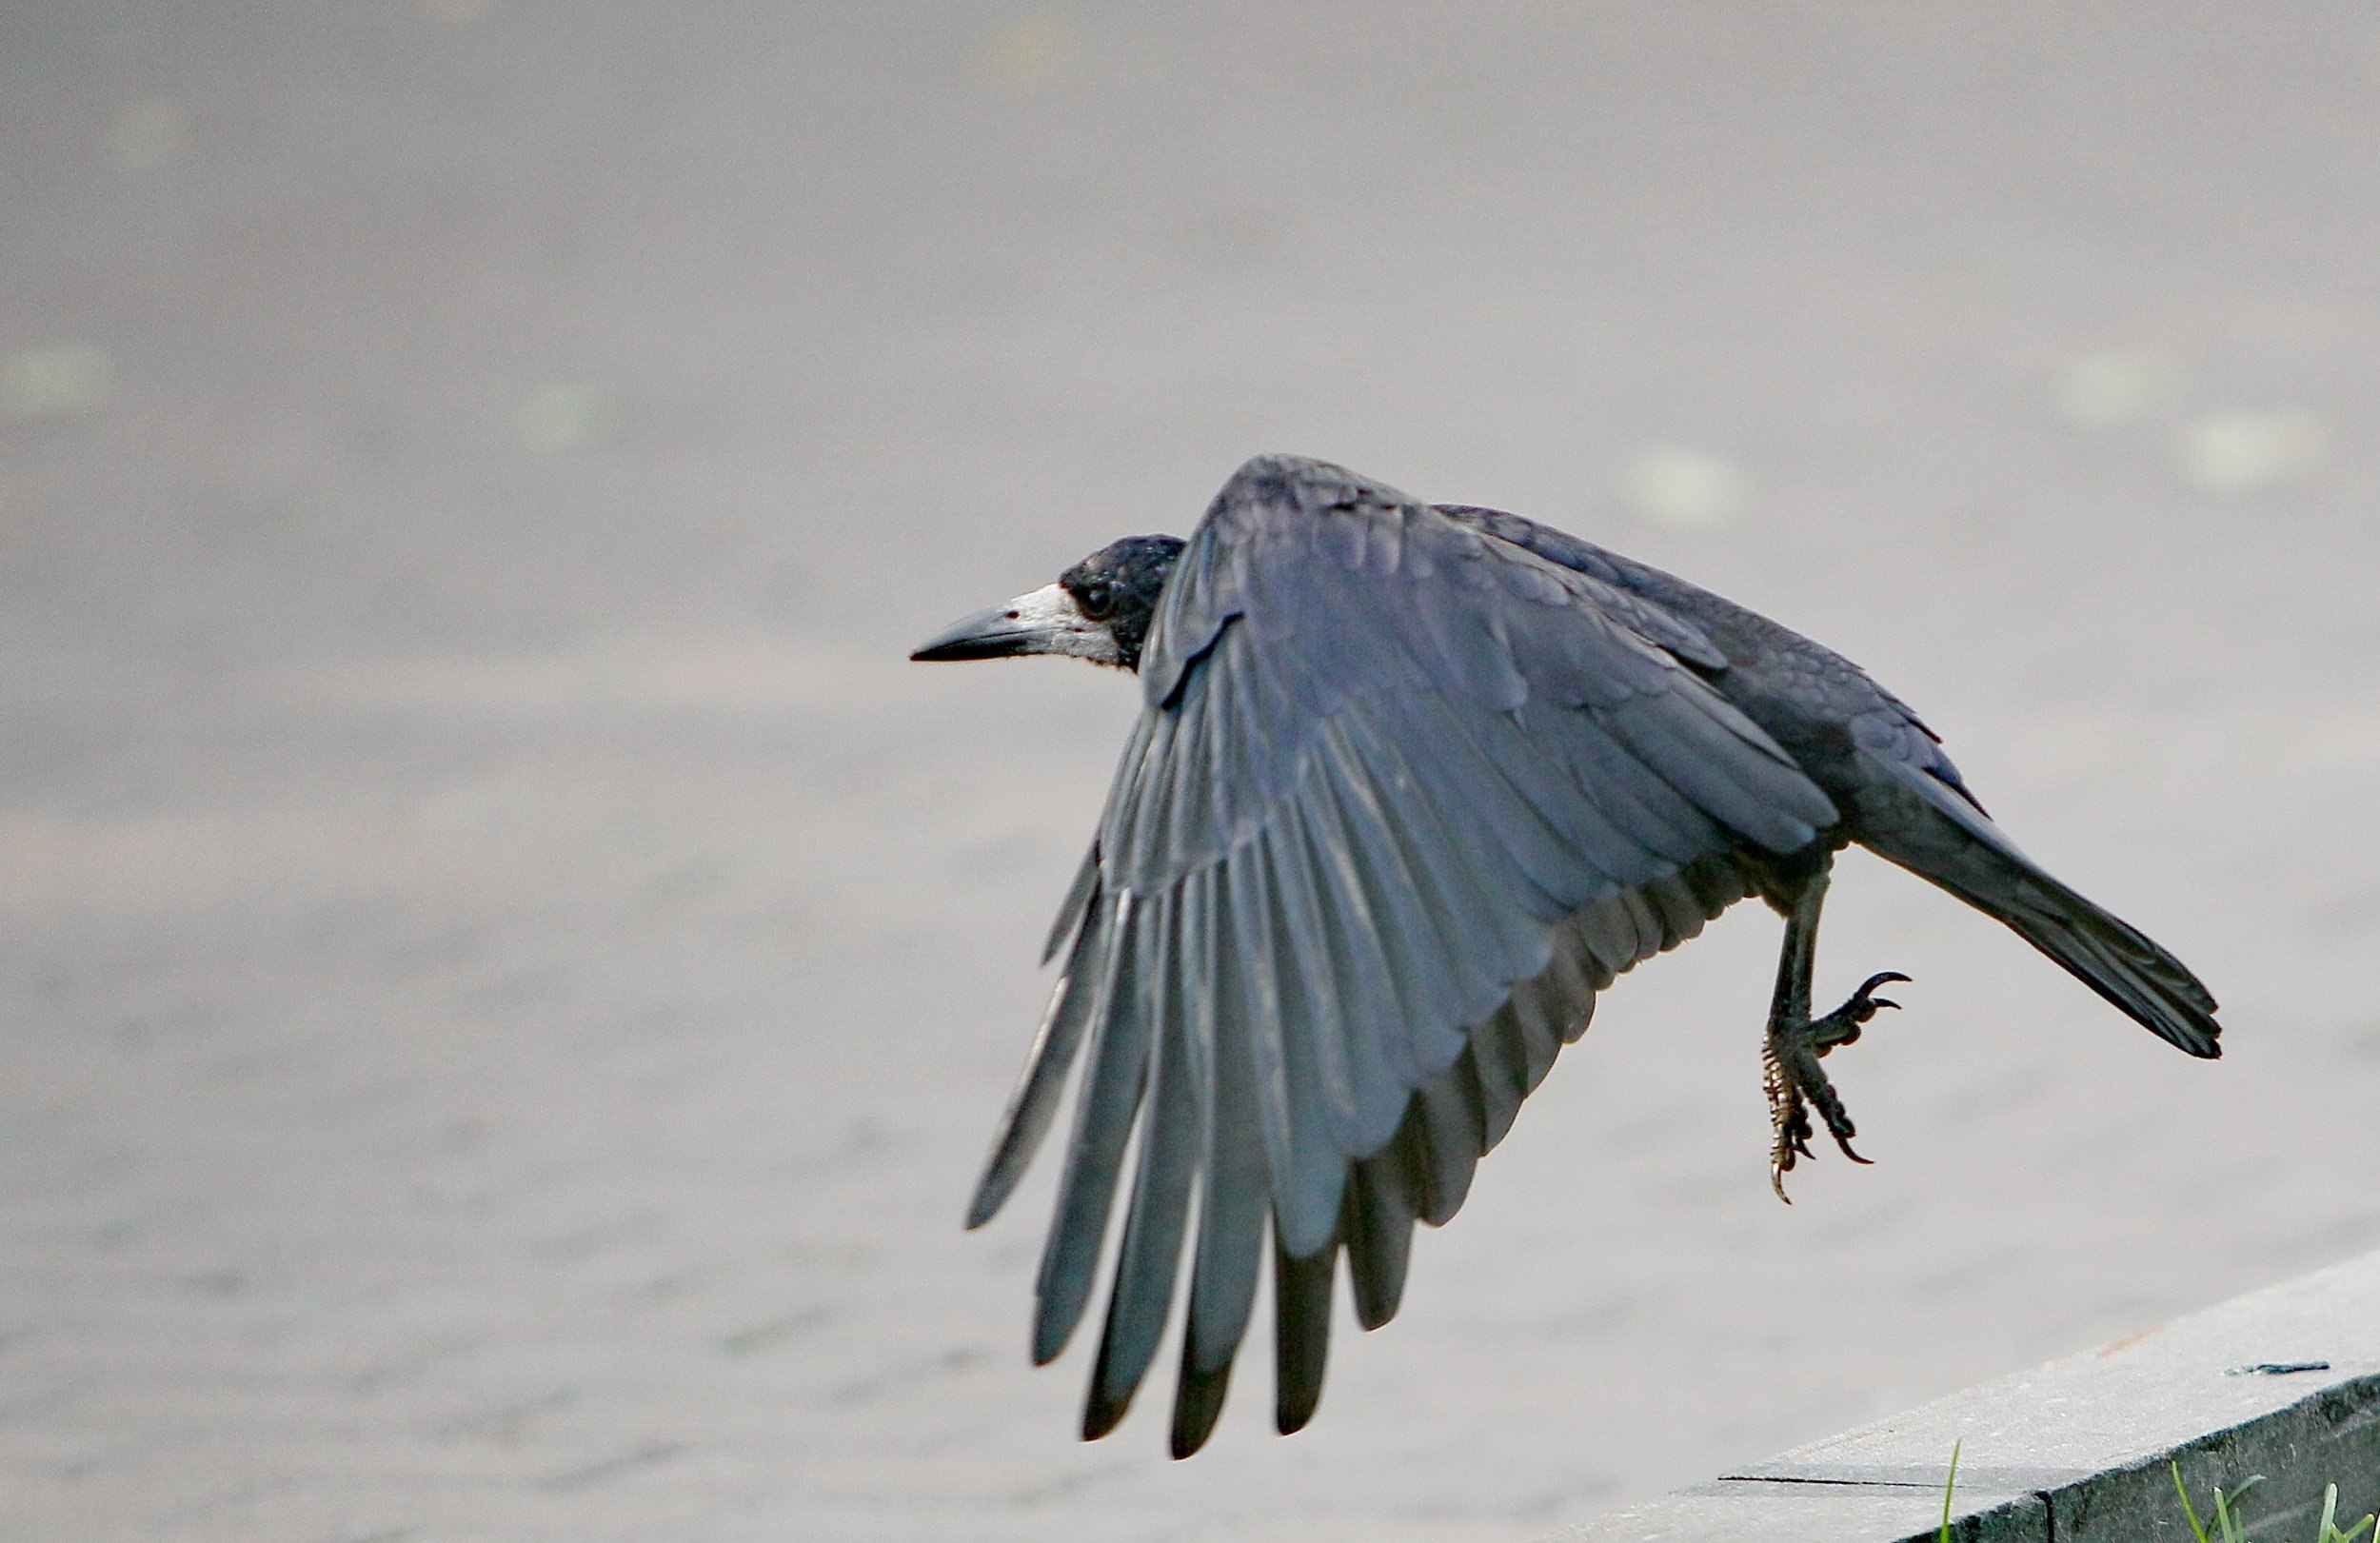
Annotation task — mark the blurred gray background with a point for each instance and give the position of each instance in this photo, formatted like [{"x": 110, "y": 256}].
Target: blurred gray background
[{"x": 507, "y": 972}]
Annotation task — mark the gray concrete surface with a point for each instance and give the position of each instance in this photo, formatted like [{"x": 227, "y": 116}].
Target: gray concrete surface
[
  {"x": 507, "y": 975},
  {"x": 2273, "y": 1397}
]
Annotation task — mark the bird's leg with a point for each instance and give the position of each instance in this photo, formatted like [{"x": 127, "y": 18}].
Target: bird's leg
[
  {"x": 1788, "y": 1061},
  {"x": 1786, "y": 1048}
]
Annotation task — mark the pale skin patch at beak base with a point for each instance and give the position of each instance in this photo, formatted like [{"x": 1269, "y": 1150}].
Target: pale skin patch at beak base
[{"x": 1045, "y": 622}]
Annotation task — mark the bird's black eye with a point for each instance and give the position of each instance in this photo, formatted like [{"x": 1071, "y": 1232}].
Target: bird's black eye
[{"x": 1097, "y": 598}]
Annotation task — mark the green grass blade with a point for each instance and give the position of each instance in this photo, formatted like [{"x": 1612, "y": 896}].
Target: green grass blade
[
  {"x": 2226, "y": 1516},
  {"x": 2188, "y": 1510},
  {"x": 2330, "y": 1533},
  {"x": 1948, "y": 1486}
]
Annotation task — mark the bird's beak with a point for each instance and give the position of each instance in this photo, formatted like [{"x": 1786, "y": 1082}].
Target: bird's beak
[{"x": 1044, "y": 621}]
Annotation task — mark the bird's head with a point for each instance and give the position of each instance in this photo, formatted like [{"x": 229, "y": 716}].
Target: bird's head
[{"x": 1100, "y": 609}]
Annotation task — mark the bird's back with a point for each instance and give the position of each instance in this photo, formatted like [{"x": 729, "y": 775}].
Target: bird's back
[{"x": 1818, "y": 705}]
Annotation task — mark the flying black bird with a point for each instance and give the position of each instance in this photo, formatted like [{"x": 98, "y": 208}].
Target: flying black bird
[{"x": 1412, "y": 783}]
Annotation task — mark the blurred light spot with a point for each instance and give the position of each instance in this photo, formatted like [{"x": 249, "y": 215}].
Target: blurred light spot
[
  {"x": 54, "y": 382},
  {"x": 1673, "y": 486},
  {"x": 2236, "y": 452},
  {"x": 566, "y": 418},
  {"x": 148, "y": 134},
  {"x": 454, "y": 12},
  {"x": 1026, "y": 54},
  {"x": 2108, "y": 390}
]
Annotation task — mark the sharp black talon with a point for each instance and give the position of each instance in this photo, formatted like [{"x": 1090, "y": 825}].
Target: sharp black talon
[{"x": 1841, "y": 1026}]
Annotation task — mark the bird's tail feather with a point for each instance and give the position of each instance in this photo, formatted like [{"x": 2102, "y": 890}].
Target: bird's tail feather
[
  {"x": 2106, "y": 953},
  {"x": 2114, "y": 960}
]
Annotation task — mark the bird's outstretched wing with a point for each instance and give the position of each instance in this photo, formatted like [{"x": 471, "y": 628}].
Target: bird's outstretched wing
[{"x": 1404, "y": 796}]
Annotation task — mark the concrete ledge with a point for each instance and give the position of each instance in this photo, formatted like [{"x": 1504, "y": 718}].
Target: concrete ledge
[{"x": 2283, "y": 1382}]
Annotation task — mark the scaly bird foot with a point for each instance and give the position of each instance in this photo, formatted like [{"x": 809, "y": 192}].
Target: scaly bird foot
[{"x": 1795, "y": 1084}]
